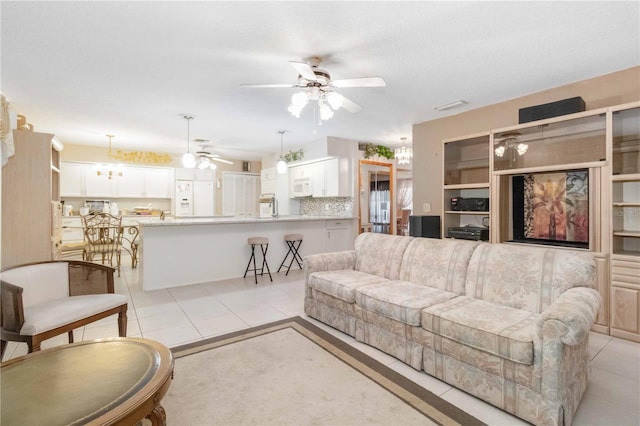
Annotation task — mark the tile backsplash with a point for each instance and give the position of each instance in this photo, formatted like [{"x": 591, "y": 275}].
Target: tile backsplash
[{"x": 330, "y": 206}]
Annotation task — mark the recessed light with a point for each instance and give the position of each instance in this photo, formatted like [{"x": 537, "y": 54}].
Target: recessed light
[{"x": 451, "y": 105}]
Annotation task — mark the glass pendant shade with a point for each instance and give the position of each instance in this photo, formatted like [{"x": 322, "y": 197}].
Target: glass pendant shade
[
  {"x": 188, "y": 161},
  {"x": 281, "y": 167}
]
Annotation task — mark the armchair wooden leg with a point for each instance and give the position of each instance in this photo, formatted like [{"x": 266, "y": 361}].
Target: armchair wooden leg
[
  {"x": 70, "y": 336},
  {"x": 3, "y": 347},
  {"x": 122, "y": 322}
]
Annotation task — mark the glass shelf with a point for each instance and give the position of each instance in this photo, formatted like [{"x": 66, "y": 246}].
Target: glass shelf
[
  {"x": 626, "y": 142},
  {"x": 466, "y": 161},
  {"x": 576, "y": 141}
]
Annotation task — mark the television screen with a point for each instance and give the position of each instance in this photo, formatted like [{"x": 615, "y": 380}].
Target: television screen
[{"x": 552, "y": 208}]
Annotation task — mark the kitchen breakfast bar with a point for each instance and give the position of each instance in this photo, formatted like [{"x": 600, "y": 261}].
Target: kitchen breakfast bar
[{"x": 183, "y": 251}]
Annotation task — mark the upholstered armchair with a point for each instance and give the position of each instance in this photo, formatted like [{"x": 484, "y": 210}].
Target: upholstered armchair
[{"x": 44, "y": 299}]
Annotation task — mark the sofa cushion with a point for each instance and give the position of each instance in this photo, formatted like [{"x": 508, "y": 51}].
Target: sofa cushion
[
  {"x": 400, "y": 300},
  {"x": 55, "y": 313},
  {"x": 529, "y": 278},
  {"x": 342, "y": 284},
  {"x": 437, "y": 263},
  {"x": 380, "y": 254},
  {"x": 496, "y": 329}
]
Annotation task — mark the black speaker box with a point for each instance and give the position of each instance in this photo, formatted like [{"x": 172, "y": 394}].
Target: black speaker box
[
  {"x": 553, "y": 109},
  {"x": 424, "y": 226}
]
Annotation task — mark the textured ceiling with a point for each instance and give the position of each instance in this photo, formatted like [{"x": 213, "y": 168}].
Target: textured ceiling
[{"x": 85, "y": 69}]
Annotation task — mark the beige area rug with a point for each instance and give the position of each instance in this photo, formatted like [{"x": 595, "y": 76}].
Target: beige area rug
[{"x": 293, "y": 373}]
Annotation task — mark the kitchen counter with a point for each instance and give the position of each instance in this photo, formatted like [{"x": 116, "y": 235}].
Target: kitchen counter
[
  {"x": 220, "y": 220},
  {"x": 181, "y": 251}
]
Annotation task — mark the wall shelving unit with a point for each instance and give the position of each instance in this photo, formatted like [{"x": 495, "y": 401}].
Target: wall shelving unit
[
  {"x": 604, "y": 142},
  {"x": 625, "y": 222}
]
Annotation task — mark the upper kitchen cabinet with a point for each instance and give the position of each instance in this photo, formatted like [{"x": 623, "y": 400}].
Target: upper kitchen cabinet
[
  {"x": 158, "y": 182},
  {"x": 328, "y": 178},
  {"x": 31, "y": 210},
  {"x": 84, "y": 180},
  {"x": 334, "y": 178}
]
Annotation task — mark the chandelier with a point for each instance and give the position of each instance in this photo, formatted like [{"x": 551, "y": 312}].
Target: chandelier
[
  {"x": 109, "y": 170},
  {"x": 326, "y": 100},
  {"x": 404, "y": 154}
]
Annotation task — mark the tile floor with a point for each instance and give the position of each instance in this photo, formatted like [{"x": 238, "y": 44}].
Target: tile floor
[{"x": 182, "y": 315}]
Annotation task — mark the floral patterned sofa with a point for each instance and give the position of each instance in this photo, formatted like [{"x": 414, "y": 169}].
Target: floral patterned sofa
[{"x": 506, "y": 323}]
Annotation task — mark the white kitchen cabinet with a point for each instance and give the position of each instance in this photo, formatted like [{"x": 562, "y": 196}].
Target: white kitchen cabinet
[
  {"x": 240, "y": 194},
  {"x": 158, "y": 182},
  {"x": 98, "y": 185},
  {"x": 131, "y": 183},
  {"x": 318, "y": 186},
  {"x": 339, "y": 235},
  {"x": 299, "y": 172},
  {"x": 330, "y": 178},
  {"x": 338, "y": 178},
  {"x": 82, "y": 180},
  {"x": 72, "y": 230},
  {"x": 72, "y": 179}
]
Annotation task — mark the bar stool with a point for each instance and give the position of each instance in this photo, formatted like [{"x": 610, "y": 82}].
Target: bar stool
[
  {"x": 263, "y": 242},
  {"x": 293, "y": 241}
]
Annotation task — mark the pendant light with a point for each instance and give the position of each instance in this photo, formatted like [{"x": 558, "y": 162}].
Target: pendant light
[
  {"x": 188, "y": 159},
  {"x": 282, "y": 165}
]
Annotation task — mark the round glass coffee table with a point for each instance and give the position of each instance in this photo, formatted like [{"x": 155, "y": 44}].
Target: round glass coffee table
[{"x": 106, "y": 381}]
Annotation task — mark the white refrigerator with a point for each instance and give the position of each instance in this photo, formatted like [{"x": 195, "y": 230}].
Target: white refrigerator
[{"x": 195, "y": 198}]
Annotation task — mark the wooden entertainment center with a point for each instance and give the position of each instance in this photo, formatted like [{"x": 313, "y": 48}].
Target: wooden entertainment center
[{"x": 603, "y": 217}]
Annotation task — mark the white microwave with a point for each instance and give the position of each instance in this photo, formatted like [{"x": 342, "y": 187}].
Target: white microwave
[{"x": 301, "y": 187}]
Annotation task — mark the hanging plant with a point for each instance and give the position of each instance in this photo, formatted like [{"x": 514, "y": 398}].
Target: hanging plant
[
  {"x": 294, "y": 155},
  {"x": 371, "y": 150},
  {"x": 385, "y": 152}
]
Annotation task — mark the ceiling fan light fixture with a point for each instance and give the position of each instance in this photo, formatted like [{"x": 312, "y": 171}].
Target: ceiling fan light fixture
[
  {"x": 325, "y": 111},
  {"x": 499, "y": 151}
]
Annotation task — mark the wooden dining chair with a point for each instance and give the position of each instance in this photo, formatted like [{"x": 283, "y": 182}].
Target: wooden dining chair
[{"x": 103, "y": 234}]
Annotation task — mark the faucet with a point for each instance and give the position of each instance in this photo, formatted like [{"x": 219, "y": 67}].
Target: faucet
[{"x": 273, "y": 203}]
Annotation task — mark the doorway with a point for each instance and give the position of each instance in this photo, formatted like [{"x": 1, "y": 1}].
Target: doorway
[{"x": 376, "y": 185}]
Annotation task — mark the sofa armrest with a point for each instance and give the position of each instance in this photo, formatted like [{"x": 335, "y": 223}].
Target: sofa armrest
[
  {"x": 574, "y": 312},
  {"x": 334, "y": 261}
]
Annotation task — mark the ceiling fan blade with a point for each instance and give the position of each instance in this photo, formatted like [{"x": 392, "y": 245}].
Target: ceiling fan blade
[
  {"x": 349, "y": 105},
  {"x": 221, "y": 160},
  {"x": 359, "y": 82},
  {"x": 267, "y": 86},
  {"x": 304, "y": 70}
]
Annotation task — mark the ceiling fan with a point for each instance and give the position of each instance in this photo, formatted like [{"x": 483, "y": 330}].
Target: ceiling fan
[
  {"x": 205, "y": 157},
  {"x": 318, "y": 86}
]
